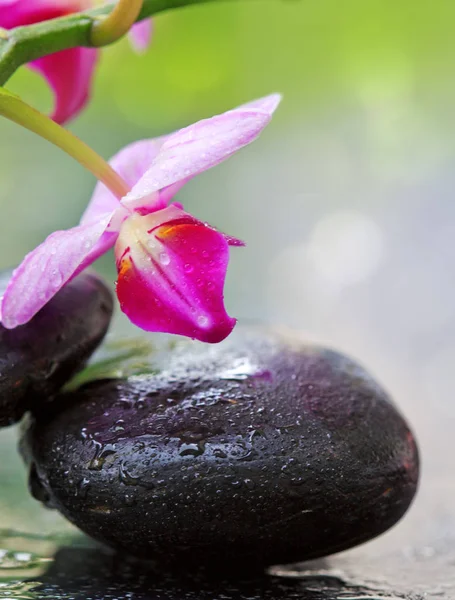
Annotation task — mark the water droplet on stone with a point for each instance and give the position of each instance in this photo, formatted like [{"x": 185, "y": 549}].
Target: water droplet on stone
[{"x": 192, "y": 449}]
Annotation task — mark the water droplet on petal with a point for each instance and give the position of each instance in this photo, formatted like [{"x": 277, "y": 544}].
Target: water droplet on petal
[
  {"x": 188, "y": 268},
  {"x": 165, "y": 259},
  {"x": 56, "y": 279},
  {"x": 202, "y": 320}
]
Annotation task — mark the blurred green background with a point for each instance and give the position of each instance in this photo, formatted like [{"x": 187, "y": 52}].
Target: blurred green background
[{"x": 346, "y": 201}]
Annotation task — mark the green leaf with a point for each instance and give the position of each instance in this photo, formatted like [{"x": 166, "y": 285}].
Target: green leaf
[{"x": 117, "y": 360}]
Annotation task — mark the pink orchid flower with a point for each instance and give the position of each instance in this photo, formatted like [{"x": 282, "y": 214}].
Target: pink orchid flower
[
  {"x": 171, "y": 266},
  {"x": 69, "y": 72}
]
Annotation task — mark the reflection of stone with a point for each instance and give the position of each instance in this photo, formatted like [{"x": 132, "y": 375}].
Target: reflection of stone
[
  {"x": 36, "y": 359},
  {"x": 81, "y": 573},
  {"x": 190, "y": 466}
]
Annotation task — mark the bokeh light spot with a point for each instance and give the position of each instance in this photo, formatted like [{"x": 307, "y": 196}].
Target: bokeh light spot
[{"x": 345, "y": 247}]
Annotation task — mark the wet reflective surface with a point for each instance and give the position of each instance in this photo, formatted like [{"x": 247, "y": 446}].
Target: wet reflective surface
[{"x": 85, "y": 572}]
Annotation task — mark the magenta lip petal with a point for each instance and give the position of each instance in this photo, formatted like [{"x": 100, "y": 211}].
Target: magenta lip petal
[
  {"x": 233, "y": 241},
  {"x": 178, "y": 288}
]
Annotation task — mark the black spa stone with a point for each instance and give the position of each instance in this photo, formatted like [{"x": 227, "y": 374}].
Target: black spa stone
[
  {"x": 37, "y": 358},
  {"x": 257, "y": 451}
]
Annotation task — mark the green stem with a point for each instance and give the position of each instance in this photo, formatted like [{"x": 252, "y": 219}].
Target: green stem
[
  {"x": 118, "y": 22},
  {"x": 15, "y": 109},
  {"x": 24, "y": 44}
]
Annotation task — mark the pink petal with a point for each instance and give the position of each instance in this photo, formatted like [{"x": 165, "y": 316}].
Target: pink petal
[
  {"x": 233, "y": 241},
  {"x": 268, "y": 104},
  {"x": 130, "y": 163},
  {"x": 69, "y": 73},
  {"x": 140, "y": 35},
  {"x": 26, "y": 12},
  {"x": 202, "y": 146},
  {"x": 103, "y": 245},
  {"x": 11, "y": 4},
  {"x": 172, "y": 270},
  {"x": 45, "y": 270}
]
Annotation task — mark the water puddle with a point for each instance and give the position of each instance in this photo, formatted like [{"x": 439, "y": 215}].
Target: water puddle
[{"x": 69, "y": 567}]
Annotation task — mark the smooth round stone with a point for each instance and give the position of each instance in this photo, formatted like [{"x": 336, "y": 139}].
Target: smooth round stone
[
  {"x": 256, "y": 451},
  {"x": 37, "y": 358}
]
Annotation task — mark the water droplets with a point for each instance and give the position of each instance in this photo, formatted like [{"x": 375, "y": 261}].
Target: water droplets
[
  {"x": 15, "y": 560},
  {"x": 126, "y": 477},
  {"x": 83, "y": 487},
  {"x": 56, "y": 279},
  {"x": 192, "y": 449},
  {"x": 188, "y": 268},
  {"x": 165, "y": 259},
  {"x": 202, "y": 321},
  {"x": 100, "y": 456}
]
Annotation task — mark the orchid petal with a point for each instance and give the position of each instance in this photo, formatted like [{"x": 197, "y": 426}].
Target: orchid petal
[
  {"x": 172, "y": 269},
  {"x": 103, "y": 245},
  {"x": 201, "y": 146},
  {"x": 233, "y": 241},
  {"x": 27, "y": 12},
  {"x": 130, "y": 163},
  {"x": 69, "y": 73},
  {"x": 268, "y": 104},
  {"x": 46, "y": 269},
  {"x": 140, "y": 35}
]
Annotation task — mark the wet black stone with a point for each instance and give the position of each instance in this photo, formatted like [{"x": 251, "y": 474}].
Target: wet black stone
[
  {"x": 257, "y": 451},
  {"x": 36, "y": 359}
]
